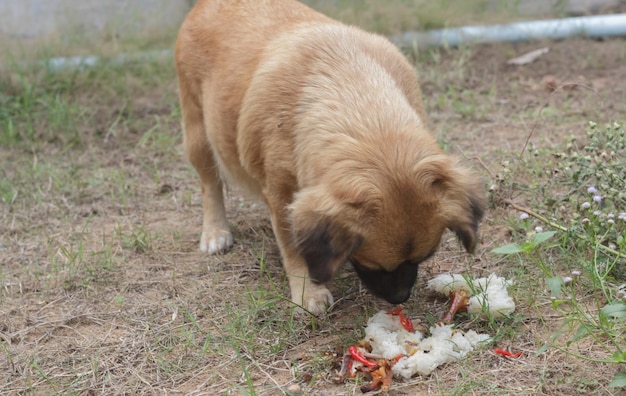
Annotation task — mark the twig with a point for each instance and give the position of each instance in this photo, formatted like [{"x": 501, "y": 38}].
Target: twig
[{"x": 537, "y": 216}]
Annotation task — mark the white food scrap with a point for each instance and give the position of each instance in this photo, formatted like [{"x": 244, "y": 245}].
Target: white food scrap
[
  {"x": 421, "y": 355},
  {"x": 488, "y": 295}
]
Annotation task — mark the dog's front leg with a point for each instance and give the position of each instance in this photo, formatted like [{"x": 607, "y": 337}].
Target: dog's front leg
[{"x": 314, "y": 298}]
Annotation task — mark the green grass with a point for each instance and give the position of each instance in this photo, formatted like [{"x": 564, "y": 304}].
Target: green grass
[
  {"x": 395, "y": 16},
  {"x": 582, "y": 260}
]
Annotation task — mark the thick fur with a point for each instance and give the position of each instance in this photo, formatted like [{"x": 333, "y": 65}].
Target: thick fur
[{"x": 325, "y": 122}]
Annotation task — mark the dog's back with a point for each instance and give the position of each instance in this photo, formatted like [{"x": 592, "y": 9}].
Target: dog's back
[
  {"x": 217, "y": 52},
  {"x": 223, "y": 46},
  {"x": 221, "y": 41}
]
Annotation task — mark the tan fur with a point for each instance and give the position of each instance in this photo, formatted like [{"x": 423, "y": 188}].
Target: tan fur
[{"x": 325, "y": 122}]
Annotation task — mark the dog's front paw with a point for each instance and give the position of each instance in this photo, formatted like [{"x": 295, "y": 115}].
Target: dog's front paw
[
  {"x": 316, "y": 300},
  {"x": 217, "y": 241}
]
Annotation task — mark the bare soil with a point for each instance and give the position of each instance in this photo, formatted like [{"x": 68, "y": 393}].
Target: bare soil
[{"x": 104, "y": 289}]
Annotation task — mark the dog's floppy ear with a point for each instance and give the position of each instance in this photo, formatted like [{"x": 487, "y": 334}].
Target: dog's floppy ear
[
  {"x": 325, "y": 246},
  {"x": 320, "y": 223},
  {"x": 466, "y": 225},
  {"x": 466, "y": 206},
  {"x": 463, "y": 198}
]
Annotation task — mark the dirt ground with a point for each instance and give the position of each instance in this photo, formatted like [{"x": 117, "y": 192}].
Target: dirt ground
[{"x": 104, "y": 289}]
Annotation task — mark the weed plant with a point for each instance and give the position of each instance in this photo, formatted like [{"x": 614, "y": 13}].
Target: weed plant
[{"x": 583, "y": 256}]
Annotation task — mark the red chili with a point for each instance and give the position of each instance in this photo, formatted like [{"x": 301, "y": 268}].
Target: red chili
[
  {"x": 404, "y": 321},
  {"x": 350, "y": 373},
  {"x": 507, "y": 353},
  {"x": 356, "y": 355},
  {"x": 397, "y": 358}
]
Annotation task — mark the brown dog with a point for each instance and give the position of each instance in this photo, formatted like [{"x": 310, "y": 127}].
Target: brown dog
[{"x": 325, "y": 122}]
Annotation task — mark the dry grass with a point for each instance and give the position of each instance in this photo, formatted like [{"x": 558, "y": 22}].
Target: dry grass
[{"x": 105, "y": 292}]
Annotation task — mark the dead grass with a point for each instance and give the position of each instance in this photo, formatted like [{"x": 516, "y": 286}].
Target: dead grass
[{"x": 104, "y": 290}]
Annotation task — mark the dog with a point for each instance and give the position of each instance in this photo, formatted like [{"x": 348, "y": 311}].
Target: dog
[{"x": 324, "y": 122}]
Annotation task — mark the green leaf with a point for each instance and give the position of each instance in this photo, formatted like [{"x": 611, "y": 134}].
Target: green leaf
[
  {"x": 543, "y": 349},
  {"x": 619, "y": 357},
  {"x": 555, "y": 303},
  {"x": 618, "y": 381},
  {"x": 508, "y": 249},
  {"x": 581, "y": 333},
  {"x": 554, "y": 284},
  {"x": 542, "y": 237},
  {"x": 614, "y": 310}
]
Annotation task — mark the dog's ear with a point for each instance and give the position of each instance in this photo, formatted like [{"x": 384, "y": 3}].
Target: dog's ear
[
  {"x": 466, "y": 225},
  {"x": 463, "y": 199},
  {"x": 466, "y": 203},
  {"x": 320, "y": 223},
  {"x": 325, "y": 246}
]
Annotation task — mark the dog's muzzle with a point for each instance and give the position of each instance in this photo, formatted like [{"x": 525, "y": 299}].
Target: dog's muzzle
[{"x": 394, "y": 286}]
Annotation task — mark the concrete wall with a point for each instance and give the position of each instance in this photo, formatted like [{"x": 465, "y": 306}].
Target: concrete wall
[{"x": 40, "y": 19}]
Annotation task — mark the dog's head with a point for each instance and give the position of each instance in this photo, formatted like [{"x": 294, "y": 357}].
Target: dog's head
[{"x": 385, "y": 220}]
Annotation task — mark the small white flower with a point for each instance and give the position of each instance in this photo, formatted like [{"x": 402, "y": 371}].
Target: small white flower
[
  {"x": 597, "y": 198},
  {"x": 523, "y": 216},
  {"x": 567, "y": 279},
  {"x": 592, "y": 190},
  {"x": 622, "y": 216},
  {"x": 597, "y": 212},
  {"x": 610, "y": 215},
  {"x": 585, "y": 221},
  {"x": 576, "y": 272},
  {"x": 538, "y": 229},
  {"x": 586, "y": 205},
  {"x": 610, "y": 221}
]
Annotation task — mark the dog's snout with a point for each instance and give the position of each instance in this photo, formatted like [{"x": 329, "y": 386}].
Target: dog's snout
[
  {"x": 398, "y": 296},
  {"x": 394, "y": 286}
]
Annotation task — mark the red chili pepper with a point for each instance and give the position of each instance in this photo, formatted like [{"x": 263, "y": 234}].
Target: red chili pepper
[
  {"x": 395, "y": 311},
  {"x": 350, "y": 373},
  {"x": 356, "y": 355},
  {"x": 397, "y": 358},
  {"x": 507, "y": 353},
  {"x": 404, "y": 321}
]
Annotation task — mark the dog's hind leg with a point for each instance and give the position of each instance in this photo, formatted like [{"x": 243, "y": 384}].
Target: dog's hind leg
[{"x": 216, "y": 236}]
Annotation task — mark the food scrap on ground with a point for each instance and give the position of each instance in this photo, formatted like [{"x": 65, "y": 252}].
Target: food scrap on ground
[
  {"x": 459, "y": 300},
  {"x": 393, "y": 348},
  {"x": 487, "y": 296},
  {"x": 390, "y": 350},
  {"x": 507, "y": 353},
  {"x": 404, "y": 321}
]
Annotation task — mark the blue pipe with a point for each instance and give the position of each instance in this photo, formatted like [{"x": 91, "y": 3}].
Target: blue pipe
[
  {"x": 82, "y": 62},
  {"x": 591, "y": 26},
  {"x": 598, "y": 26}
]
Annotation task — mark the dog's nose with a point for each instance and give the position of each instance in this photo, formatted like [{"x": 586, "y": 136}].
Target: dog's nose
[
  {"x": 394, "y": 286},
  {"x": 398, "y": 296}
]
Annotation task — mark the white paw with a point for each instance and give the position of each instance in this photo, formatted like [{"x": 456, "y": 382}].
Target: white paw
[
  {"x": 315, "y": 301},
  {"x": 216, "y": 242}
]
